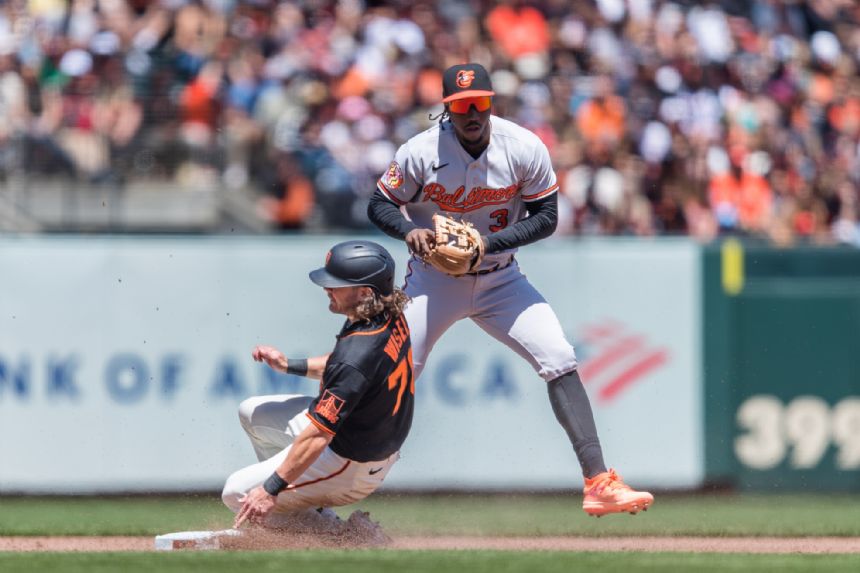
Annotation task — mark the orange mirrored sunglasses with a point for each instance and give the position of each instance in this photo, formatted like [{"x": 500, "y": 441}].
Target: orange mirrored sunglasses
[{"x": 481, "y": 103}]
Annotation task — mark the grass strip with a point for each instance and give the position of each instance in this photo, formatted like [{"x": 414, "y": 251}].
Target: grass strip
[
  {"x": 517, "y": 515},
  {"x": 376, "y": 561}
]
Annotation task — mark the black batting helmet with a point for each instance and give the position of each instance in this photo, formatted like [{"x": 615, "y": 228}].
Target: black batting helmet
[{"x": 357, "y": 263}]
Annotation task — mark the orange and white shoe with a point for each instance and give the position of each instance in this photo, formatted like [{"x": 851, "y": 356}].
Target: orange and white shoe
[{"x": 607, "y": 493}]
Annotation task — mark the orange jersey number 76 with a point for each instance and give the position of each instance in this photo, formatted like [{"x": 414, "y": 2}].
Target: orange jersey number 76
[{"x": 401, "y": 378}]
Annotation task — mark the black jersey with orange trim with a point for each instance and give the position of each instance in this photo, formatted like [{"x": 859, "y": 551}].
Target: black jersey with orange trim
[{"x": 367, "y": 390}]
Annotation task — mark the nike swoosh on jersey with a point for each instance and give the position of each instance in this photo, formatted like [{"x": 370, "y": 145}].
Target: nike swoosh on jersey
[
  {"x": 376, "y": 471},
  {"x": 436, "y": 168}
]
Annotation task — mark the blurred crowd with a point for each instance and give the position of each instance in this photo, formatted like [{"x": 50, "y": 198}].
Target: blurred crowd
[{"x": 662, "y": 117}]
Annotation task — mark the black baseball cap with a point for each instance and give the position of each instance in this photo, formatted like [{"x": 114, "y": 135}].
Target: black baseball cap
[
  {"x": 466, "y": 80},
  {"x": 357, "y": 263}
]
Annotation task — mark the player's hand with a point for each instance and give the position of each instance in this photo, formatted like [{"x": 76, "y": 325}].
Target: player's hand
[
  {"x": 421, "y": 241},
  {"x": 271, "y": 356},
  {"x": 255, "y": 507}
]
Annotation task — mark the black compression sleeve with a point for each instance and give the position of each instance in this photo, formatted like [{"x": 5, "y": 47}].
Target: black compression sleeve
[
  {"x": 387, "y": 216},
  {"x": 540, "y": 224}
]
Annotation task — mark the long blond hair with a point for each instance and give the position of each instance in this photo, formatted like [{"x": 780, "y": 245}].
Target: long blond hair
[{"x": 376, "y": 303}]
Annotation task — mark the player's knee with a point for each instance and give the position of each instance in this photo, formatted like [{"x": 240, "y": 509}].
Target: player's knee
[
  {"x": 557, "y": 364},
  {"x": 246, "y": 411},
  {"x": 271, "y": 410},
  {"x": 232, "y": 493}
]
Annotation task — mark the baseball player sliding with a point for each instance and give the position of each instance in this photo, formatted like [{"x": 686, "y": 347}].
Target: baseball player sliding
[
  {"x": 334, "y": 449},
  {"x": 497, "y": 176}
]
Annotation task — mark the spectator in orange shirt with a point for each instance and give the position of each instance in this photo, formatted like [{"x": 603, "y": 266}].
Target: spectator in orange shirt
[
  {"x": 756, "y": 202},
  {"x": 200, "y": 107},
  {"x": 741, "y": 198},
  {"x": 518, "y": 29},
  {"x": 601, "y": 119}
]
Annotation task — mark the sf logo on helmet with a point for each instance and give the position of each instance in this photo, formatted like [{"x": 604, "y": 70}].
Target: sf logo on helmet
[{"x": 465, "y": 78}]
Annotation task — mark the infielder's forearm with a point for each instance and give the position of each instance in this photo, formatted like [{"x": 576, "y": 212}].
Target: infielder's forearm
[
  {"x": 309, "y": 445},
  {"x": 388, "y": 217},
  {"x": 540, "y": 224}
]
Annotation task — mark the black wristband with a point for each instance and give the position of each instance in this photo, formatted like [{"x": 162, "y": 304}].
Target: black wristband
[
  {"x": 297, "y": 366},
  {"x": 275, "y": 484}
]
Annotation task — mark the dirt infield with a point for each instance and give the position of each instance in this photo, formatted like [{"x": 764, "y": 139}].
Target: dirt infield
[{"x": 648, "y": 544}]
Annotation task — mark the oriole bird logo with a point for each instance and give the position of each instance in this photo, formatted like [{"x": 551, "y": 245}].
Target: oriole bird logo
[
  {"x": 394, "y": 177},
  {"x": 465, "y": 78}
]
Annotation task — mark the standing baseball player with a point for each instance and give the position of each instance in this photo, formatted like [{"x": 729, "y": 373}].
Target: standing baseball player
[
  {"x": 337, "y": 448},
  {"x": 498, "y": 177}
]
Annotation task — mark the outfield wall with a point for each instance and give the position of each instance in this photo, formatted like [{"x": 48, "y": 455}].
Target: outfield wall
[
  {"x": 122, "y": 361},
  {"x": 782, "y": 367}
]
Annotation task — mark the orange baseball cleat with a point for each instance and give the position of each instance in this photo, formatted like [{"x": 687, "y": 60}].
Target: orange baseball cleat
[{"x": 607, "y": 493}]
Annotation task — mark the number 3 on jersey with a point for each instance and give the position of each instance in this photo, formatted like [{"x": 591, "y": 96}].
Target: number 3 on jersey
[
  {"x": 501, "y": 217},
  {"x": 401, "y": 378}
]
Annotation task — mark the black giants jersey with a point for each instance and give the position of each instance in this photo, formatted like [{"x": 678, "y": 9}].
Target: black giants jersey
[{"x": 367, "y": 390}]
